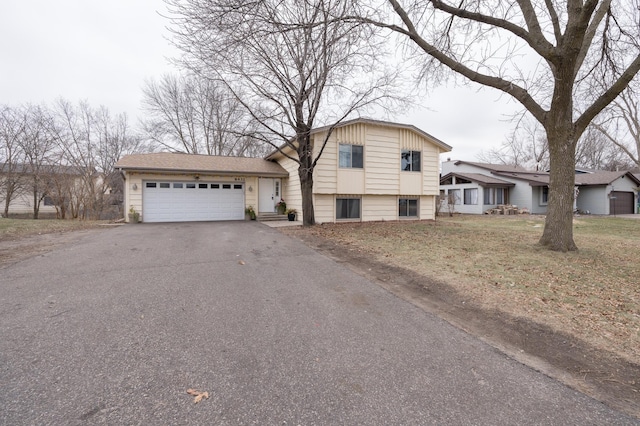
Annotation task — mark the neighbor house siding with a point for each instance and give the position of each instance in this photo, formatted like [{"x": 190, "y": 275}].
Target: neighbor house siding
[
  {"x": 536, "y": 201},
  {"x": 524, "y": 195},
  {"x": 594, "y": 200},
  {"x": 22, "y": 204}
]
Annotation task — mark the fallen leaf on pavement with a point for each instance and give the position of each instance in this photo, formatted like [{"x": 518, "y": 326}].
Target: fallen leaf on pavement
[{"x": 198, "y": 395}]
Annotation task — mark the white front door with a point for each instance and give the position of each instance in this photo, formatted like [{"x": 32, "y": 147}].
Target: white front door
[{"x": 268, "y": 195}]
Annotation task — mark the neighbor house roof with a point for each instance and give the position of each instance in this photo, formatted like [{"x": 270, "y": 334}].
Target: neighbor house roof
[
  {"x": 193, "y": 163},
  {"x": 438, "y": 142},
  {"x": 534, "y": 178},
  {"x": 483, "y": 180},
  {"x": 42, "y": 168},
  {"x": 496, "y": 167},
  {"x": 603, "y": 177}
]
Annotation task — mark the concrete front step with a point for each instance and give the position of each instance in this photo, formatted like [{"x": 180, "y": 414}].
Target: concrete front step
[{"x": 271, "y": 217}]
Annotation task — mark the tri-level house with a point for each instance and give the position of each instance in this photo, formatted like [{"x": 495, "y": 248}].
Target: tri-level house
[{"x": 369, "y": 171}]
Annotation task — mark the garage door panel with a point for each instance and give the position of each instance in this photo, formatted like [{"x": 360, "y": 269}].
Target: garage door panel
[
  {"x": 188, "y": 201},
  {"x": 621, "y": 202}
]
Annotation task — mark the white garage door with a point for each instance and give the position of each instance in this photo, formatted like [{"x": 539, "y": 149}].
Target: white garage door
[{"x": 192, "y": 201}]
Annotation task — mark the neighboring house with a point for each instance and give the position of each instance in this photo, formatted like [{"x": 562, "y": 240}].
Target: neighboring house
[
  {"x": 478, "y": 187},
  {"x": 50, "y": 177},
  {"x": 369, "y": 170}
]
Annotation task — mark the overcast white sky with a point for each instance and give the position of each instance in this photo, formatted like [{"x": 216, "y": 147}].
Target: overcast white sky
[{"x": 102, "y": 52}]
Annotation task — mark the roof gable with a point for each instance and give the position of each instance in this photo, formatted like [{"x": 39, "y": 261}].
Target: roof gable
[{"x": 443, "y": 146}]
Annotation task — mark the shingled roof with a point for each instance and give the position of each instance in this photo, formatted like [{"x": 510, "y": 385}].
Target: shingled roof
[
  {"x": 502, "y": 168},
  {"x": 483, "y": 180},
  {"x": 192, "y": 163},
  {"x": 603, "y": 177}
]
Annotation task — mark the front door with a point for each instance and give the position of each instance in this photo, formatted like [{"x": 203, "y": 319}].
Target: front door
[{"x": 268, "y": 195}]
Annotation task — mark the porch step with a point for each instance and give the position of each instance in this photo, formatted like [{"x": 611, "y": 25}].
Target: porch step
[{"x": 271, "y": 217}]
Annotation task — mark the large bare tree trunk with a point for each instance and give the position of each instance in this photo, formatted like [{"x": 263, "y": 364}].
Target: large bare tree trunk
[
  {"x": 306, "y": 187},
  {"x": 305, "y": 172},
  {"x": 558, "y": 228}
]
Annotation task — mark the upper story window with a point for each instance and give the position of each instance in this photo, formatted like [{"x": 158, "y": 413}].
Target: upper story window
[
  {"x": 351, "y": 156},
  {"x": 410, "y": 161}
]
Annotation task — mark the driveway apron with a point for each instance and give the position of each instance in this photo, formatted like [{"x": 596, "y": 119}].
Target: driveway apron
[{"x": 114, "y": 329}]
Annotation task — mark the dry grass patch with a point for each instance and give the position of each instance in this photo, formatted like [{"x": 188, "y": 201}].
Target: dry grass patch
[
  {"x": 11, "y": 229},
  {"x": 593, "y": 294}
]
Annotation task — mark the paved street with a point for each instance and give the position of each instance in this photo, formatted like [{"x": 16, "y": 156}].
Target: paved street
[{"x": 115, "y": 328}]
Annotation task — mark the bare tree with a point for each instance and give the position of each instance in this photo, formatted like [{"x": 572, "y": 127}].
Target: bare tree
[
  {"x": 595, "y": 151},
  {"x": 198, "y": 116},
  {"x": 620, "y": 123},
  {"x": 91, "y": 141},
  {"x": 38, "y": 145},
  {"x": 544, "y": 54},
  {"x": 525, "y": 147},
  {"x": 12, "y": 128},
  {"x": 291, "y": 64}
]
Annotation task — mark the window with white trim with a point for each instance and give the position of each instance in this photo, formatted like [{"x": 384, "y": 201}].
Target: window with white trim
[
  {"x": 410, "y": 161},
  {"x": 408, "y": 207},
  {"x": 471, "y": 196},
  {"x": 351, "y": 156},
  {"x": 347, "y": 208}
]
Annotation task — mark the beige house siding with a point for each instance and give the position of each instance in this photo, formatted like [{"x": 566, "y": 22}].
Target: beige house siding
[
  {"x": 379, "y": 184},
  {"x": 427, "y": 207},
  {"x": 382, "y": 161},
  {"x": 379, "y": 207},
  {"x": 251, "y": 192},
  {"x": 325, "y": 208},
  {"x": 291, "y": 192},
  {"x": 351, "y": 181},
  {"x": 430, "y": 169},
  {"x": 325, "y": 172}
]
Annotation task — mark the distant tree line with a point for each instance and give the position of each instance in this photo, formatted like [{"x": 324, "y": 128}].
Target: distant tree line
[{"x": 66, "y": 154}]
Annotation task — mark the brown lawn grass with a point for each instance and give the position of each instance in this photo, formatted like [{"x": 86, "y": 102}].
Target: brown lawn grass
[
  {"x": 11, "y": 229},
  {"x": 593, "y": 294}
]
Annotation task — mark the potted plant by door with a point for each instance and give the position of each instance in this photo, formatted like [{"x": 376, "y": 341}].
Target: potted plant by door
[
  {"x": 134, "y": 216},
  {"x": 281, "y": 206},
  {"x": 291, "y": 214},
  {"x": 249, "y": 211}
]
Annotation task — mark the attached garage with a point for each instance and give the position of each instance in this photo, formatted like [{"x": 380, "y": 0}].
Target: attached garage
[
  {"x": 172, "y": 187},
  {"x": 192, "y": 201},
  {"x": 621, "y": 202}
]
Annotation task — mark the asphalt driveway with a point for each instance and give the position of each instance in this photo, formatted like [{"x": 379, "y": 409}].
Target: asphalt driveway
[{"x": 115, "y": 328}]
